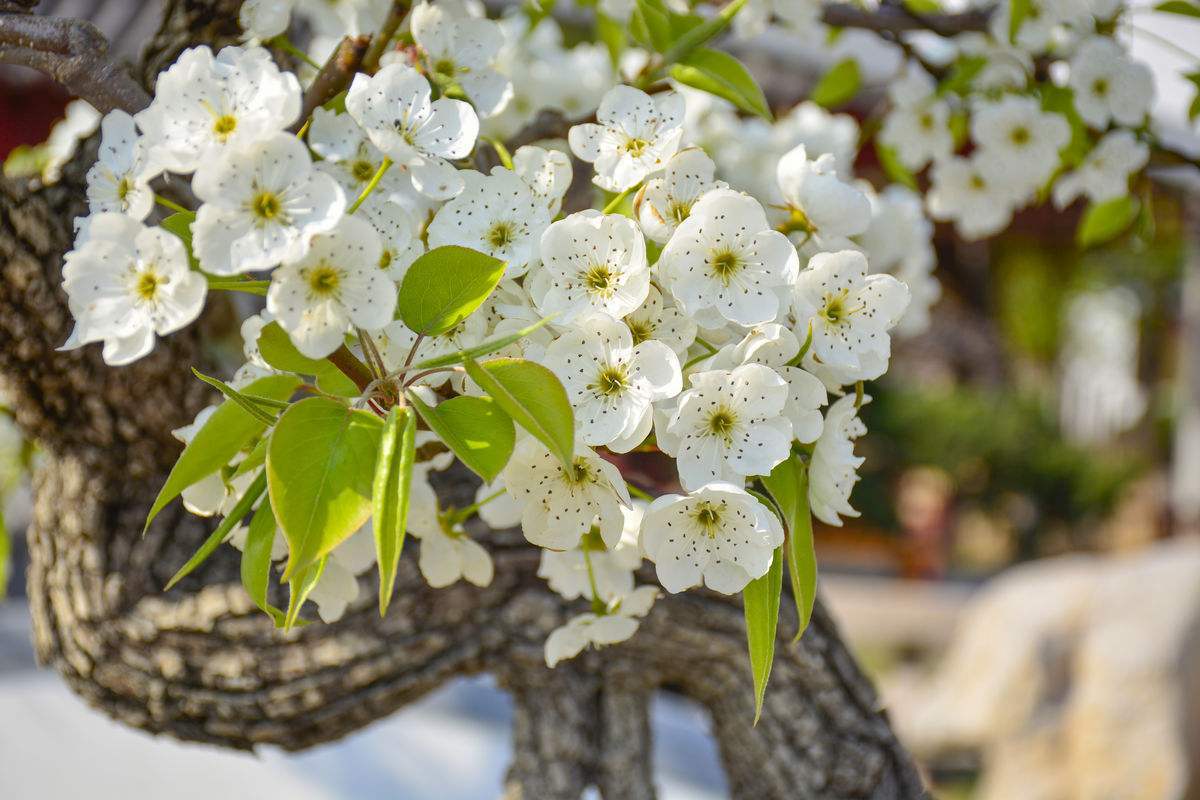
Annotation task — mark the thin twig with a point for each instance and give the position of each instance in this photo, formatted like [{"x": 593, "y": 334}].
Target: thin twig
[
  {"x": 386, "y": 33},
  {"x": 333, "y": 77},
  {"x": 75, "y": 54}
]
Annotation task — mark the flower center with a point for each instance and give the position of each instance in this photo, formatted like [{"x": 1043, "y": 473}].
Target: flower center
[
  {"x": 599, "y": 279},
  {"x": 925, "y": 121},
  {"x": 679, "y": 211},
  {"x": 323, "y": 280},
  {"x": 147, "y": 285},
  {"x": 124, "y": 187},
  {"x": 721, "y": 422},
  {"x": 362, "y": 170},
  {"x": 501, "y": 235},
  {"x": 1020, "y": 136},
  {"x": 724, "y": 264},
  {"x": 977, "y": 182},
  {"x": 636, "y": 147},
  {"x": 445, "y": 68},
  {"x": 1100, "y": 87},
  {"x": 835, "y": 309},
  {"x": 612, "y": 380},
  {"x": 642, "y": 329},
  {"x": 579, "y": 472},
  {"x": 385, "y": 260},
  {"x": 224, "y": 125},
  {"x": 708, "y": 517},
  {"x": 266, "y": 206}
]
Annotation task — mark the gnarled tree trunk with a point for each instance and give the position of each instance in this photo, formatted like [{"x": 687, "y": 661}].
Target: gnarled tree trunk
[{"x": 202, "y": 663}]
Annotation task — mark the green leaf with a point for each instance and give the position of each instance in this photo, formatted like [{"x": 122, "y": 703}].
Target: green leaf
[
  {"x": 180, "y": 224},
  {"x": 276, "y": 348},
  {"x": 390, "y": 495},
  {"x": 248, "y": 405},
  {"x": 893, "y": 167},
  {"x": 962, "y": 75},
  {"x": 923, "y": 6},
  {"x": 650, "y": 24},
  {"x": 612, "y": 34},
  {"x": 253, "y": 460},
  {"x": 788, "y": 486},
  {"x": 256, "y": 559},
  {"x": 1103, "y": 222},
  {"x": 1179, "y": 7},
  {"x": 839, "y": 85},
  {"x": 320, "y": 469},
  {"x": 760, "y": 599},
  {"x": 483, "y": 348},
  {"x": 479, "y": 433},
  {"x": 444, "y": 286},
  {"x": 240, "y": 510},
  {"x": 1018, "y": 11},
  {"x": 301, "y": 585},
  {"x": 720, "y": 74},
  {"x": 226, "y": 433},
  {"x": 1061, "y": 100},
  {"x": 1194, "y": 108},
  {"x": 692, "y": 31},
  {"x": 533, "y": 396}
]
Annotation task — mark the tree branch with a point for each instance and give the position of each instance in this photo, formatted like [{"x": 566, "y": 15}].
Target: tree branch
[
  {"x": 898, "y": 18},
  {"x": 334, "y": 76},
  {"x": 75, "y": 54}
]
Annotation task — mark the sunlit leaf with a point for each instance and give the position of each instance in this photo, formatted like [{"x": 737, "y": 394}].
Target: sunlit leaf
[
  {"x": 444, "y": 286},
  {"x": 720, "y": 74},
  {"x": 760, "y": 600},
  {"x": 240, "y": 510},
  {"x": 533, "y": 396},
  {"x": 474, "y": 428},
  {"x": 390, "y": 496}
]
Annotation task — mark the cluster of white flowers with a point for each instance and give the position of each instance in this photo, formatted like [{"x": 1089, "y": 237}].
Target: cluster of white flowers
[{"x": 724, "y": 309}]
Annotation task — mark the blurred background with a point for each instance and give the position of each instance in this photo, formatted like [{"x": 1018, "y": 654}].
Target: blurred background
[{"x": 1023, "y": 583}]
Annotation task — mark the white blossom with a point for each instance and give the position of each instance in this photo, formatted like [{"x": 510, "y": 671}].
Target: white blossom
[
  {"x": 448, "y": 554},
  {"x": 126, "y": 284},
  {"x": 974, "y": 192},
  {"x": 592, "y": 262},
  {"x": 663, "y": 203},
  {"x": 265, "y": 19},
  {"x": 560, "y": 503},
  {"x": 1104, "y": 173},
  {"x": 833, "y": 470},
  {"x": 730, "y": 424},
  {"x": 719, "y": 535},
  {"x": 547, "y": 173},
  {"x": 460, "y": 50},
  {"x": 654, "y": 319},
  {"x": 726, "y": 260},
  {"x": 395, "y": 108},
  {"x": 612, "y": 382},
  {"x": 1109, "y": 86},
  {"x": 205, "y": 104},
  {"x": 571, "y": 573},
  {"x": 337, "y": 284},
  {"x": 918, "y": 125},
  {"x": 823, "y": 206},
  {"x": 496, "y": 214},
  {"x": 633, "y": 137},
  {"x": 120, "y": 179},
  {"x": 618, "y": 623},
  {"x": 262, "y": 204},
  {"x": 1023, "y": 139}
]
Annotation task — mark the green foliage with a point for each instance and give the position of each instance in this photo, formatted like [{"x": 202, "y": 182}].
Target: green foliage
[
  {"x": 788, "y": 486},
  {"x": 301, "y": 585},
  {"x": 254, "y": 406},
  {"x": 276, "y": 348},
  {"x": 962, "y": 75},
  {"x": 180, "y": 224},
  {"x": 390, "y": 496},
  {"x": 612, "y": 34},
  {"x": 720, "y": 74},
  {"x": 1103, "y": 222},
  {"x": 892, "y": 166},
  {"x": 1194, "y": 108},
  {"x": 1181, "y": 7},
  {"x": 760, "y": 600},
  {"x": 240, "y": 510},
  {"x": 650, "y": 25},
  {"x": 1018, "y": 12},
  {"x": 1061, "y": 100},
  {"x": 484, "y": 348},
  {"x": 533, "y": 396},
  {"x": 256, "y": 559},
  {"x": 839, "y": 85},
  {"x": 320, "y": 471},
  {"x": 444, "y": 286},
  {"x": 227, "y": 432},
  {"x": 26, "y": 161},
  {"x": 474, "y": 428}
]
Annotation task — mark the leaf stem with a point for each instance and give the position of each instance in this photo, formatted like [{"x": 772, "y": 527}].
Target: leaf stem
[
  {"x": 375, "y": 179},
  {"x": 598, "y": 606},
  {"x": 171, "y": 204},
  {"x": 639, "y": 492},
  {"x": 615, "y": 203},
  {"x": 236, "y": 285},
  {"x": 387, "y": 31},
  {"x": 501, "y": 151},
  {"x": 285, "y": 44},
  {"x": 351, "y": 367},
  {"x": 461, "y": 515}
]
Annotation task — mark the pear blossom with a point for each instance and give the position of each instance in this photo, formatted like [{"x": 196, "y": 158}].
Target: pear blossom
[
  {"x": 262, "y": 204},
  {"x": 265, "y": 19},
  {"x": 665, "y": 202},
  {"x": 1023, "y": 139},
  {"x": 918, "y": 125},
  {"x": 1104, "y": 173},
  {"x": 337, "y": 284},
  {"x": 725, "y": 261},
  {"x": 338, "y": 18},
  {"x": 612, "y": 382},
  {"x": 833, "y": 470},
  {"x": 547, "y": 173},
  {"x": 204, "y": 104},
  {"x": 80, "y": 121},
  {"x": 1109, "y": 86},
  {"x": 395, "y": 108},
  {"x": 397, "y": 340},
  {"x": 974, "y": 192},
  {"x": 618, "y": 623},
  {"x": 823, "y": 207},
  {"x": 730, "y": 424},
  {"x": 496, "y": 214},
  {"x": 126, "y": 284},
  {"x": 570, "y": 574},
  {"x": 120, "y": 179},
  {"x": 338, "y": 586},
  {"x": 398, "y": 234},
  {"x": 719, "y": 535},
  {"x": 348, "y": 155},
  {"x": 559, "y": 503},
  {"x": 461, "y": 50},
  {"x": 633, "y": 137},
  {"x": 448, "y": 554},
  {"x": 592, "y": 262},
  {"x": 498, "y": 508},
  {"x": 654, "y": 319},
  {"x": 849, "y": 312},
  {"x": 212, "y": 494}
]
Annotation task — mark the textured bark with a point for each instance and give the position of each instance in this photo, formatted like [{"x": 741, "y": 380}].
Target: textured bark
[{"x": 201, "y": 663}]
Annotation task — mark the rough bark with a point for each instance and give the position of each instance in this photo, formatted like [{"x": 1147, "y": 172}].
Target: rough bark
[{"x": 201, "y": 663}]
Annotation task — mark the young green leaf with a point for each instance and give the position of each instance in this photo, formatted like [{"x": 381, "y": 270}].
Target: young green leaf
[
  {"x": 1181, "y": 7},
  {"x": 691, "y": 31},
  {"x": 248, "y": 405},
  {"x": 839, "y": 85},
  {"x": 475, "y": 428},
  {"x": 1018, "y": 12},
  {"x": 788, "y": 486},
  {"x": 444, "y": 286},
  {"x": 760, "y": 600},
  {"x": 240, "y": 510},
  {"x": 320, "y": 470},
  {"x": 253, "y": 460},
  {"x": 720, "y": 74},
  {"x": 276, "y": 348},
  {"x": 226, "y": 433},
  {"x": 651, "y": 25},
  {"x": 256, "y": 559},
  {"x": 301, "y": 586},
  {"x": 180, "y": 224},
  {"x": 533, "y": 396},
  {"x": 1103, "y": 222},
  {"x": 893, "y": 167},
  {"x": 390, "y": 495},
  {"x": 482, "y": 349}
]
